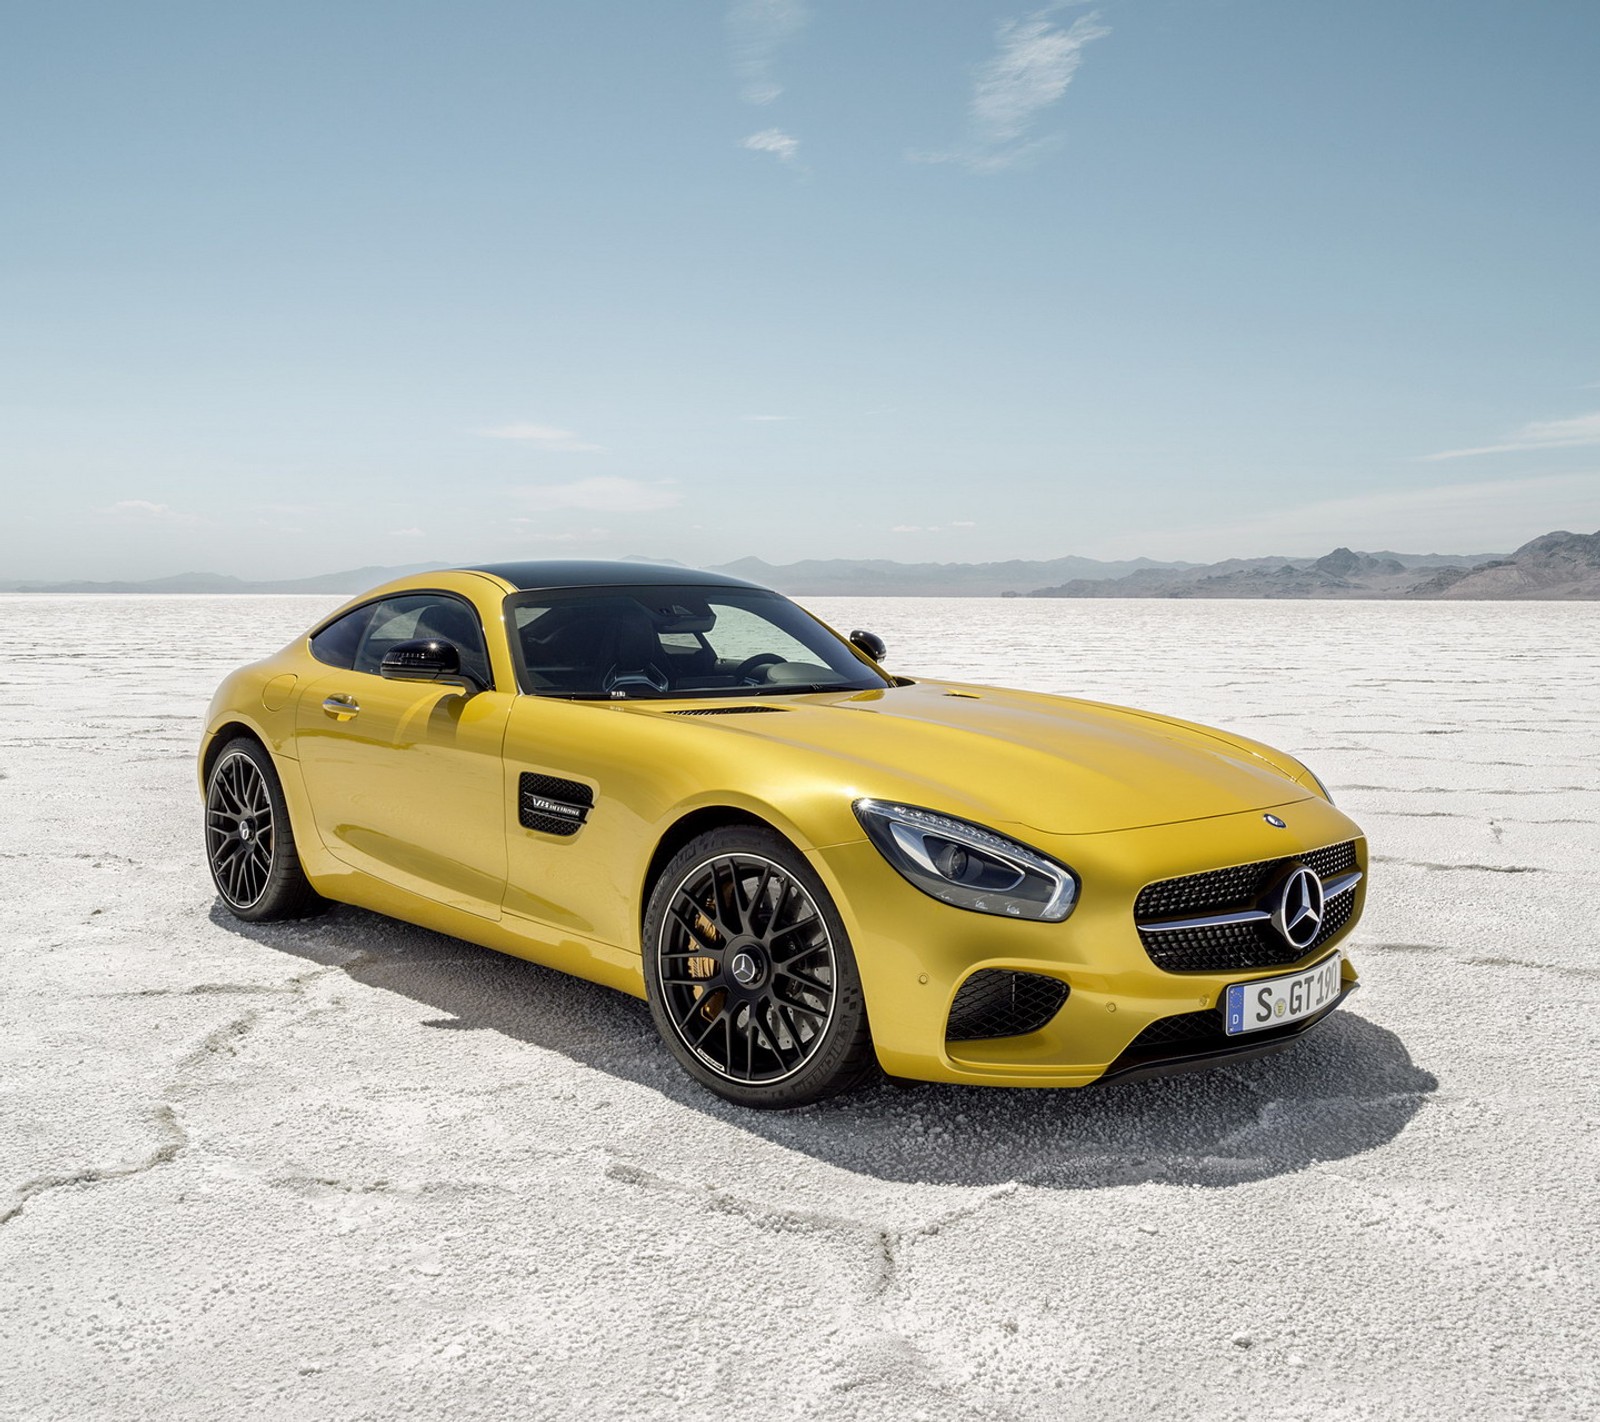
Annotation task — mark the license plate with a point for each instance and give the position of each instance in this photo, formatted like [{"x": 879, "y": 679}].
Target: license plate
[{"x": 1273, "y": 1002}]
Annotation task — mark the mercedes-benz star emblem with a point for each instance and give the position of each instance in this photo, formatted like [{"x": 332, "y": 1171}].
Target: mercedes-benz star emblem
[
  {"x": 744, "y": 970},
  {"x": 1275, "y": 822},
  {"x": 1298, "y": 913}
]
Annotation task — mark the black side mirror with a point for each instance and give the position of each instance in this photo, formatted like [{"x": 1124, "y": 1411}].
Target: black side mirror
[
  {"x": 426, "y": 659},
  {"x": 870, "y": 643}
]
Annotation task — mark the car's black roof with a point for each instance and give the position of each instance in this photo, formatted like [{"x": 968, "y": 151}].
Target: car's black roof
[{"x": 595, "y": 573}]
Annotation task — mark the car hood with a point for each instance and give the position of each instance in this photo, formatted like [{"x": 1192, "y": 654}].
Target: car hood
[{"x": 1050, "y": 763}]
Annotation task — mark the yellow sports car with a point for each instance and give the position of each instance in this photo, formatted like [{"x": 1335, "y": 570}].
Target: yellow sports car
[{"x": 685, "y": 787}]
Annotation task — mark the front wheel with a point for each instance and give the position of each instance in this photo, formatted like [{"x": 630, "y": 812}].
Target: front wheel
[
  {"x": 249, "y": 842},
  {"x": 750, "y": 975}
]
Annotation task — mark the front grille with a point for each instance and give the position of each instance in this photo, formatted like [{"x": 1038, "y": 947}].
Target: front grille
[
  {"x": 551, "y": 805},
  {"x": 1232, "y": 947},
  {"x": 997, "y": 1003}
]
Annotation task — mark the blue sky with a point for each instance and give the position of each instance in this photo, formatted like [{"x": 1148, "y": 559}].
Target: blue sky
[{"x": 301, "y": 286}]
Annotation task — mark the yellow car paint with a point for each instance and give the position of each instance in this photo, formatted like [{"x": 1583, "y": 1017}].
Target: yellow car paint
[{"x": 416, "y": 817}]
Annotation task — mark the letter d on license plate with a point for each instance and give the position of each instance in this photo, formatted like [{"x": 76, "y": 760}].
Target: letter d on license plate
[{"x": 1274, "y": 1002}]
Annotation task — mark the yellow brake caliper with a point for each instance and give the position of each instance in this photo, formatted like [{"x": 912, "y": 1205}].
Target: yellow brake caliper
[{"x": 705, "y": 968}]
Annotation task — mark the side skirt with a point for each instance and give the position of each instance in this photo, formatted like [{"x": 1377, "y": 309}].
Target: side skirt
[{"x": 582, "y": 957}]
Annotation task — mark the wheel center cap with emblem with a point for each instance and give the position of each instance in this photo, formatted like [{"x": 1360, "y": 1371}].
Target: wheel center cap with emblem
[
  {"x": 1300, "y": 906},
  {"x": 744, "y": 968},
  {"x": 244, "y": 831}
]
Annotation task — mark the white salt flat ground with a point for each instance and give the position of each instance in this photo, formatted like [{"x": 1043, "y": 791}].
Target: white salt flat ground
[{"x": 356, "y": 1170}]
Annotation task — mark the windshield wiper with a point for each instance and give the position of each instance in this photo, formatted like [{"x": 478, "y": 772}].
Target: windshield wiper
[
  {"x": 801, "y": 688},
  {"x": 707, "y": 693}
]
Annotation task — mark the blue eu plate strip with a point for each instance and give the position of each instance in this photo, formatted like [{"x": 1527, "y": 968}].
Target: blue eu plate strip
[{"x": 1236, "y": 1007}]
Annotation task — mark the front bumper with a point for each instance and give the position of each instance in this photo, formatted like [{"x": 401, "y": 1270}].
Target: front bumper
[
  {"x": 914, "y": 952},
  {"x": 1137, "y": 1065}
]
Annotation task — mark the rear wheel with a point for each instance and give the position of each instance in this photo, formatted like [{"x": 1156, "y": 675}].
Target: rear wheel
[
  {"x": 750, "y": 974},
  {"x": 249, "y": 842}
]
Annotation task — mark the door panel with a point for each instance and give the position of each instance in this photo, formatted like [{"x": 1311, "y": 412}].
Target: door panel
[
  {"x": 583, "y": 881},
  {"x": 405, "y": 782}
]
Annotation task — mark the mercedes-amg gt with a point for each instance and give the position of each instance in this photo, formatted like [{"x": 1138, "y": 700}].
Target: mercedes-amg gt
[{"x": 685, "y": 787}]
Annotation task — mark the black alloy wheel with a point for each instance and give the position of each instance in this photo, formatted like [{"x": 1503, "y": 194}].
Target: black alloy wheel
[
  {"x": 751, "y": 980},
  {"x": 249, "y": 843}
]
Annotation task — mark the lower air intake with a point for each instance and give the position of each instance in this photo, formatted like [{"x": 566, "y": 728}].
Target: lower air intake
[
  {"x": 1190, "y": 1033},
  {"x": 997, "y": 1003}
]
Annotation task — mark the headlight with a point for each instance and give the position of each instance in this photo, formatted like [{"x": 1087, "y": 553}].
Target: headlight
[
  {"x": 1317, "y": 781},
  {"x": 968, "y": 866}
]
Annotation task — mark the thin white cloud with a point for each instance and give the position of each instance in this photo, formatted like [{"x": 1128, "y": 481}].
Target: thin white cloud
[
  {"x": 1578, "y": 433},
  {"x": 542, "y": 437},
  {"x": 962, "y": 523},
  {"x": 1034, "y": 62},
  {"x": 603, "y": 495},
  {"x": 146, "y": 511},
  {"x": 757, "y": 30},
  {"x": 781, "y": 145}
]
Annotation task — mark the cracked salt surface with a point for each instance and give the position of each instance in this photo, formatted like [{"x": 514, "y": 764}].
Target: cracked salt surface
[{"x": 351, "y": 1169}]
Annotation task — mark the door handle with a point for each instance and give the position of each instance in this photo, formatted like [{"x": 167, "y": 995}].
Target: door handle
[{"x": 341, "y": 706}]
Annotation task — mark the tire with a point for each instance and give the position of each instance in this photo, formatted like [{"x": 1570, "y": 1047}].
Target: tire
[
  {"x": 250, "y": 846},
  {"x": 750, "y": 975}
]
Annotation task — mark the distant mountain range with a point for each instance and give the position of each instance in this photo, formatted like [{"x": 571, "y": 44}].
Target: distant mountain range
[
  {"x": 814, "y": 577},
  {"x": 1555, "y": 566},
  {"x": 1552, "y": 567},
  {"x": 353, "y": 580},
  {"x": 878, "y": 577}
]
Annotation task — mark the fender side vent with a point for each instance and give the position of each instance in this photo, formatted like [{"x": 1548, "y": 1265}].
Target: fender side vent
[
  {"x": 726, "y": 711},
  {"x": 551, "y": 805},
  {"x": 996, "y": 1003}
]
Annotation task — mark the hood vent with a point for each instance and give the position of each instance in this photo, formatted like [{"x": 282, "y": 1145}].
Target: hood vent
[{"x": 725, "y": 711}]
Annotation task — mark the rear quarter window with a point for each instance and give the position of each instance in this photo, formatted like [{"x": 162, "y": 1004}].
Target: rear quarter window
[{"x": 336, "y": 643}]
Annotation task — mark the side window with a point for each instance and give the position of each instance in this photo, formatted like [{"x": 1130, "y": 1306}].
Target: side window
[
  {"x": 337, "y": 642},
  {"x": 416, "y": 615}
]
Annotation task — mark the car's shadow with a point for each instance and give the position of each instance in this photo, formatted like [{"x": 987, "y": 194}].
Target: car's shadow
[{"x": 1345, "y": 1088}]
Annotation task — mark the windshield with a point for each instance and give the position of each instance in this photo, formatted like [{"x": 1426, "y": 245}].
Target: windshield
[{"x": 676, "y": 641}]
